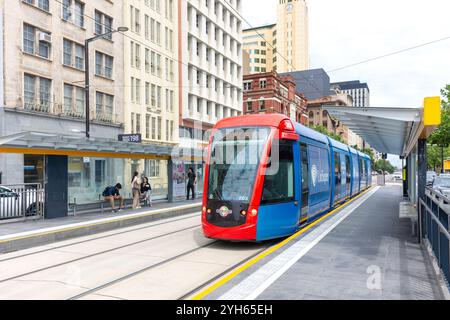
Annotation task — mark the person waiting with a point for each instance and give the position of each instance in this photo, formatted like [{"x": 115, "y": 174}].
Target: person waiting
[{"x": 112, "y": 193}]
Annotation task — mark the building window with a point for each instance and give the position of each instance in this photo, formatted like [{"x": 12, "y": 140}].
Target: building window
[
  {"x": 247, "y": 86},
  {"x": 73, "y": 11},
  {"x": 263, "y": 84},
  {"x": 104, "y": 107},
  {"x": 103, "y": 65},
  {"x": 249, "y": 105},
  {"x": 74, "y": 100},
  {"x": 103, "y": 24},
  {"x": 41, "y": 4},
  {"x": 73, "y": 54},
  {"x": 262, "y": 104},
  {"x": 31, "y": 100},
  {"x": 41, "y": 47}
]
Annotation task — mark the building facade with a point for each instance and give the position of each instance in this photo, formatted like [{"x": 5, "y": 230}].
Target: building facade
[
  {"x": 259, "y": 45},
  {"x": 292, "y": 36},
  {"x": 266, "y": 93},
  {"x": 43, "y": 90},
  {"x": 151, "y": 77},
  {"x": 281, "y": 47},
  {"x": 319, "y": 117},
  {"x": 210, "y": 66},
  {"x": 359, "y": 91}
]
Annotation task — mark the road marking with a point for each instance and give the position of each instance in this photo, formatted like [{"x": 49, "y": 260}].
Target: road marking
[
  {"x": 80, "y": 225},
  {"x": 214, "y": 286},
  {"x": 254, "y": 285}
]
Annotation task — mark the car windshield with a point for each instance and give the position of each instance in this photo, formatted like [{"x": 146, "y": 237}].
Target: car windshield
[
  {"x": 235, "y": 156},
  {"x": 443, "y": 182}
]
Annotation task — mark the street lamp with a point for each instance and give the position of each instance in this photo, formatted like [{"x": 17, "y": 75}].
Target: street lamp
[{"x": 86, "y": 72}]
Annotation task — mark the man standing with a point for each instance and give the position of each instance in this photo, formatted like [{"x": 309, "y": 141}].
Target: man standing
[{"x": 192, "y": 181}]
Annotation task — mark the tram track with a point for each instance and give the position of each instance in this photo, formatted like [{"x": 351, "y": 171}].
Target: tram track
[
  {"x": 98, "y": 253},
  {"x": 140, "y": 271},
  {"x": 192, "y": 215},
  {"x": 222, "y": 274}
]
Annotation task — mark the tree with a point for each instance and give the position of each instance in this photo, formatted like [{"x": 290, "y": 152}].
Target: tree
[
  {"x": 325, "y": 131},
  {"x": 383, "y": 166},
  {"x": 441, "y": 137}
]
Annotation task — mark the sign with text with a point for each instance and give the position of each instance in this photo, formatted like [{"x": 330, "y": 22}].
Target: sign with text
[{"x": 134, "y": 138}]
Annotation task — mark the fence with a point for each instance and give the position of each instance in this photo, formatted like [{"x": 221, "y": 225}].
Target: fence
[
  {"x": 434, "y": 213},
  {"x": 21, "y": 201}
]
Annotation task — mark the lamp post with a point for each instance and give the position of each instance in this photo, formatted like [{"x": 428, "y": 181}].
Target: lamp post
[{"x": 86, "y": 72}]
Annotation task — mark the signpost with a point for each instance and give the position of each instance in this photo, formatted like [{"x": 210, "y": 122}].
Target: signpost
[{"x": 133, "y": 138}]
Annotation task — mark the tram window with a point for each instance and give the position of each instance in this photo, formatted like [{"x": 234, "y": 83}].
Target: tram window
[
  {"x": 279, "y": 187},
  {"x": 337, "y": 169}
]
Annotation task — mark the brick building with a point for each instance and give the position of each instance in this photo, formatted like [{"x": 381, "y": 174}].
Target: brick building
[{"x": 271, "y": 93}]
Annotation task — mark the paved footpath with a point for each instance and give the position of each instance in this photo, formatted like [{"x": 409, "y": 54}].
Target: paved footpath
[{"x": 364, "y": 251}]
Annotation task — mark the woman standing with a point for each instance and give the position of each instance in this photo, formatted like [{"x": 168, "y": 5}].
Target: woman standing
[
  {"x": 136, "y": 189},
  {"x": 146, "y": 190}
]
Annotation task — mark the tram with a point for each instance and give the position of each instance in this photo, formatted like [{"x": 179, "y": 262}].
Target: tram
[{"x": 266, "y": 176}]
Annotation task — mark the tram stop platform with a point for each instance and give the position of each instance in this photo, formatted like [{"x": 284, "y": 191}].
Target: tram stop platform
[
  {"x": 362, "y": 251},
  {"x": 31, "y": 233}
]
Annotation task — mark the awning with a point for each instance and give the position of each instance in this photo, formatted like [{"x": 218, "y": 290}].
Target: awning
[
  {"x": 73, "y": 145},
  {"x": 388, "y": 130}
]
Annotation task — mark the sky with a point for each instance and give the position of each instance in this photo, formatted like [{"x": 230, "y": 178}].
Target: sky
[{"x": 343, "y": 32}]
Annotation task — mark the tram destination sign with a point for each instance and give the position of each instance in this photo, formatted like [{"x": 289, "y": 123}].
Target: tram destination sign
[{"x": 134, "y": 138}]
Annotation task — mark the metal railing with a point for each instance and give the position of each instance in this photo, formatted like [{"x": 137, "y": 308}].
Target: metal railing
[
  {"x": 434, "y": 217},
  {"x": 21, "y": 201}
]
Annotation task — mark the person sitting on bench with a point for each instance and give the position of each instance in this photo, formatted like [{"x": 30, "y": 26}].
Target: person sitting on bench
[{"x": 111, "y": 194}]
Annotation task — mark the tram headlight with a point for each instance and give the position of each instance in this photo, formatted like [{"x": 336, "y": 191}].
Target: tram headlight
[
  {"x": 254, "y": 212},
  {"x": 208, "y": 211},
  {"x": 243, "y": 212},
  {"x": 204, "y": 209}
]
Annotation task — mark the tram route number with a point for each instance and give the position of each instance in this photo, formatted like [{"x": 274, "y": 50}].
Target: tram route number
[{"x": 226, "y": 310}]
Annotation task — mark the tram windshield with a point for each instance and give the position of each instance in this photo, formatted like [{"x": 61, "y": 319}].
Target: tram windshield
[{"x": 235, "y": 156}]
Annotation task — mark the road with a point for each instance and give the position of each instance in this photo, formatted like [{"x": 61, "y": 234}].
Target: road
[{"x": 167, "y": 259}]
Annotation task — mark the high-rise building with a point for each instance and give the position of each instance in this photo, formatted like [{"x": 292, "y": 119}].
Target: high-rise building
[
  {"x": 151, "y": 77},
  {"x": 210, "y": 53},
  {"x": 359, "y": 91},
  {"x": 281, "y": 47},
  {"x": 292, "y": 41},
  {"x": 258, "y": 44}
]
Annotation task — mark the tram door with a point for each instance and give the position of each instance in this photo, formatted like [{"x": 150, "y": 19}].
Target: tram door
[
  {"x": 305, "y": 181},
  {"x": 337, "y": 177},
  {"x": 349, "y": 175}
]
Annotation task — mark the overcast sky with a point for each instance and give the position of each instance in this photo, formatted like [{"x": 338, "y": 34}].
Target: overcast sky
[{"x": 343, "y": 32}]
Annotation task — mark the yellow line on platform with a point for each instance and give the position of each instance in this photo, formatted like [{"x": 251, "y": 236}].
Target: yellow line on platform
[{"x": 264, "y": 254}]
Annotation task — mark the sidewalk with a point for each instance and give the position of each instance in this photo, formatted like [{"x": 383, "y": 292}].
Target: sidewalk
[
  {"x": 364, "y": 251},
  {"x": 26, "y": 234}
]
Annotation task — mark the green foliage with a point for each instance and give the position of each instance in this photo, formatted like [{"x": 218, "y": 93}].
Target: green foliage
[
  {"x": 441, "y": 137},
  {"x": 325, "y": 131},
  {"x": 367, "y": 151},
  {"x": 439, "y": 141},
  {"x": 382, "y": 166}
]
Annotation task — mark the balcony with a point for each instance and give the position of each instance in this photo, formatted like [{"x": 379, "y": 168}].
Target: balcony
[{"x": 59, "y": 110}]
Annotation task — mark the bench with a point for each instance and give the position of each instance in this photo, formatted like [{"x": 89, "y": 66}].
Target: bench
[{"x": 99, "y": 205}]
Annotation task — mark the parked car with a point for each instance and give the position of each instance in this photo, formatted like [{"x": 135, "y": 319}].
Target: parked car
[
  {"x": 397, "y": 176},
  {"x": 431, "y": 175},
  {"x": 17, "y": 203},
  {"x": 442, "y": 184}
]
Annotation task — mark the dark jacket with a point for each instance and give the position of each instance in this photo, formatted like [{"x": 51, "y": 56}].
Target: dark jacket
[{"x": 145, "y": 187}]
